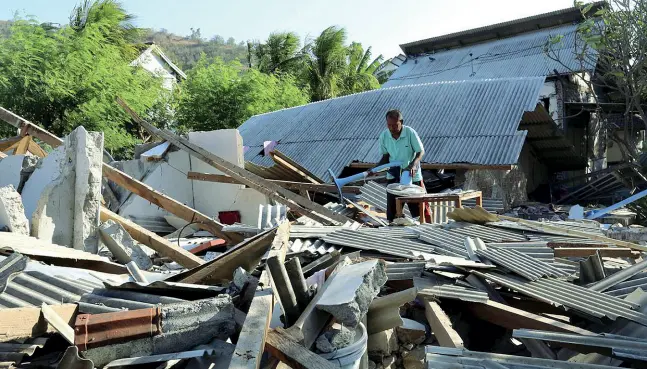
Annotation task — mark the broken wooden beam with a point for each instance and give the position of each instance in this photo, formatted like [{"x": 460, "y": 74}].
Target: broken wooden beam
[
  {"x": 152, "y": 240},
  {"x": 297, "y": 186},
  {"x": 28, "y": 322},
  {"x": 285, "y": 348},
  {"x": 169, "y": 204},
  {"x": 513, "y": 318},
  {"x": 295, "y": 202},
  {"x": 247, "y": 255},
  {"x": 251, "y": 340},
  {"x": 441, "y": 326},
  {"x": 612, "y": 252},
  {"x": 286, "y": 162}
]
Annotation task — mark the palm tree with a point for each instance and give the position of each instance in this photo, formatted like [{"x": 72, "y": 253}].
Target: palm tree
[
  {"x": 326, "y": 63},
  {"x": 280, "y": 52},
  {"x": 360, "y": 72}
]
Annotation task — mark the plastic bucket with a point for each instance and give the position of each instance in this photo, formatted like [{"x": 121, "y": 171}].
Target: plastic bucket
[{"x": 349, "y": 357}]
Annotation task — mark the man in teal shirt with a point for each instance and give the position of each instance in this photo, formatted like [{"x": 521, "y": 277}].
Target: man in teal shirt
[{"x": 400, "y": 143}]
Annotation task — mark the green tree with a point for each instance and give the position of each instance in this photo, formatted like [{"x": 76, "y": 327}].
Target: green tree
[
  {"x": 326, "y": 63},
  {"x": 221, "y": 95},
  {"x": 69, "y": 76},
  {"x": 360, "y": 71},
  {"x": 280, "y": 52}
]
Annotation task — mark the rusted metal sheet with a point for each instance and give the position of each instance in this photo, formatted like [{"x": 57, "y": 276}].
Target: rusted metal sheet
[{"x": 96, "y": 330}]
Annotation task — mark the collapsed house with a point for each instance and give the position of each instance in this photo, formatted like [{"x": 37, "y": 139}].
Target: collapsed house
[{"x": 233, "y": 250}]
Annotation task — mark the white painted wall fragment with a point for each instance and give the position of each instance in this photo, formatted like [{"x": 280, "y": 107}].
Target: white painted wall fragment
[{"x": 12, "y": 213}]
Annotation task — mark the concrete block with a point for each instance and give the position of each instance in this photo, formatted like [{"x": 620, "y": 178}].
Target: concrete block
[
  {"x": 352, "y": 290},
  {"x": 382, "y": 343},
  {"x": 228, "y": 144},
  {"x": 411, "y": 332},
  {"x": 122, "y": 246},
  {"x": 67, "y": 210},
  {"x": 10, "y": 168},
  {"x": 12, "y": 213},
  {"x": 335, "y": 339}
]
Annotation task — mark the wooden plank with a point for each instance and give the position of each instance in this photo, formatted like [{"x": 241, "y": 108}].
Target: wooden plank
[
  {"x": 513, "y": 318},
  {"x": 299, "y": 186},
  {"x": 611, "y": 252},
  {"x": 7, "y": 143},
  {"x": 169, "y": 204},
  {"x": 35, "y": 149},
  {"x": 291, "y": 165},
  {"x": 441, "y": 326},
  {"x": 251, "y": 341},
  {"x": 152, "y": 240},
  {"x": 440, "y": 166},
  {"x": 293, "y": 201},
  {"x": 284, "y": 347},
  {"x": 246, "y": 255},
  {"x": 23, "y": 146},
  {"x": 2, "y": 155},
  {"x": 58, "y": 322},
  {"x": 28, "y": 322}
]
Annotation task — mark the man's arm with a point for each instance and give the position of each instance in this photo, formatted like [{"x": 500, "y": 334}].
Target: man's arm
[
  {"x": 416, "y": 145},
  {"x": 413, "y": 167},
  {"x": 384, "y": 160}
]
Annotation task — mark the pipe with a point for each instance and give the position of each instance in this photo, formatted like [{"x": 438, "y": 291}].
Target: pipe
[{"x": 341, "y": 182}]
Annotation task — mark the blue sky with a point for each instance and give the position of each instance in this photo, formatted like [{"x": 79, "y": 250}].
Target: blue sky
[{"x": 383, "y": 24}]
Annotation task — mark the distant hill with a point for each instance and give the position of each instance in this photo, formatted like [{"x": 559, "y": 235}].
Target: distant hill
[{"x": 185, "y": 51}]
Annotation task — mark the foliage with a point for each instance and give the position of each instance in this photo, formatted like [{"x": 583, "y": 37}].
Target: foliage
[
  {"x": 326, "y": 62},
  {"x": 221, "y": 95},
  {"x": 280, "y": 52},
  {"x": 360, "y": 71},
  {"x": 65, "y": 77}
]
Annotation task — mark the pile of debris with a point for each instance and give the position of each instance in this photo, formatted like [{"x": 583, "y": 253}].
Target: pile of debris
[{"x": 82, "y": 286}]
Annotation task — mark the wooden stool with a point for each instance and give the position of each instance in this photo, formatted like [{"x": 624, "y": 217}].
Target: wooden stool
[{"x": 421, "y": 200}]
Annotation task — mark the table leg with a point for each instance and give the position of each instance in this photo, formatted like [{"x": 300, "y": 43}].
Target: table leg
[
  {"x": 458, "y": 203},
  {"x": 479, "y": 201},
  {"x": 421, "y": 209},
  {"x": 398, "y": 207}
]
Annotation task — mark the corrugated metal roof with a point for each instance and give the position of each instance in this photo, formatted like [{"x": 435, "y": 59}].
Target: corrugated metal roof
[
  {"x": 455, "y": 358},
  {"x": 366, "y": 241},
  {"x": 518, "y": 56},
  {"x": 568, "y": 295},
  {"x": 315, "y": 246},
  {"x": 471, "y": 122},
  {"x": 374, "y": 194},
  {"x": 521, "y": 263},
  {"x": 487, "y": 234},
  {"x": 404, "y": 270}
]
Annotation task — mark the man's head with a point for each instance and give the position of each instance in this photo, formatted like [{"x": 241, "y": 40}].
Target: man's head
[{"x": 394, "y": 121}]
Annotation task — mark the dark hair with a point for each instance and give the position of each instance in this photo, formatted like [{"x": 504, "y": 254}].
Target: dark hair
[{"x": 394, "y": 113}]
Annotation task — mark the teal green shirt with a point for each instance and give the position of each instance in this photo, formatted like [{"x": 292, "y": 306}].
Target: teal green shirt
[{"x": 403, "y": 149}]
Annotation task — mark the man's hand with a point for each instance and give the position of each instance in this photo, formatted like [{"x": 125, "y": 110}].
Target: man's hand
[{"x": 412, "y": 168}]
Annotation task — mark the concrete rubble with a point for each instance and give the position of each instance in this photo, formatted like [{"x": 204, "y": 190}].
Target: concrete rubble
[{"x": 12, "y": 212}]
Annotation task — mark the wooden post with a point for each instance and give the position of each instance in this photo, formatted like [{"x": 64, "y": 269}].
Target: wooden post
[
  {"x": 421, "y": 209},
  {"x": 442, "y": 326}
]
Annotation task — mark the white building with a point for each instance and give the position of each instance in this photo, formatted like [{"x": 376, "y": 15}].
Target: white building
[{"x": 155, "y": 61}]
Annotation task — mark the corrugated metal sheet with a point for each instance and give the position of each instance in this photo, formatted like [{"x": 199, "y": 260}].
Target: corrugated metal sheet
[
  {"x": 314, "y": 246},
  {"x": 374, "y": 194},
  {"x": 445, "y": 242},
  {"x": 436, "y": 289},
  {"x": 332, "y": 206},
  {"x": 273, "y": 172},
  {"x": 487, "y": 234},
  {"x": 521, "y": 263},
  {"x": 403, "y": 271},
  {"x": 457, "y": 358},
  {"x": 568, "y": 295},
  {"x": 618, "y": 277},
  {"x": 366, "y": 241},
  {"x": 472, "y": 122},
  {"x": 623, "y": 289},
  {"x": 518, "y": 56},
  {"x": 392, "y": 232}
]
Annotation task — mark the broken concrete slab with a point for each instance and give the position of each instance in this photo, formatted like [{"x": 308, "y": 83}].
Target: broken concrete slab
[
  {"x": 12, "y": 212},
  {"x": 352, "y": 291},
  {"x": 411, "y": 332},
  {"x": 10, "y": 168},
  {"x": 29, "y": 163},
  {"x": 184, "y": 326},
  {"x": 122, "y": 246},
  {"x": 335, "y": 339},
  {"x": 67, "y": 211},
  {"x": 382, "y": 343}
]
